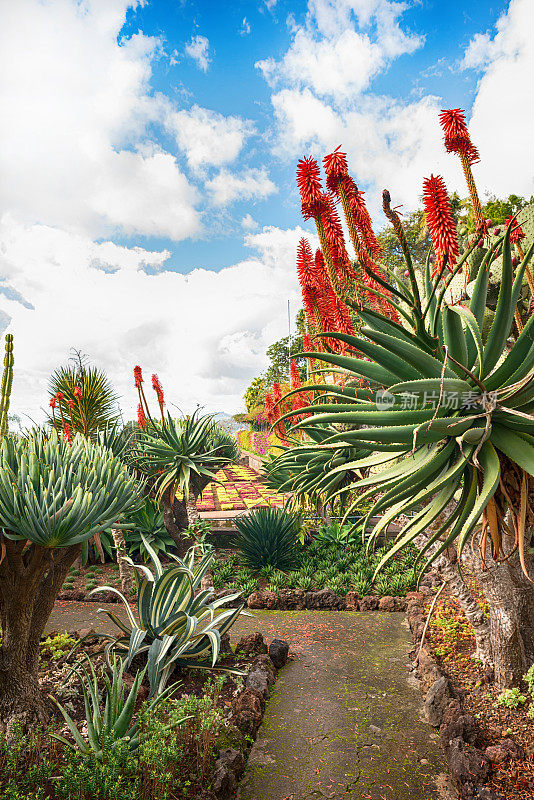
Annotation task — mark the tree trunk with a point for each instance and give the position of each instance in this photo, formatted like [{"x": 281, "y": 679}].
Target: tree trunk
[
  {"x": 125, "y": 570},
  {"x": 193, "y": 516},
  {"x": 176, "y": 522},
  {"x": 510, "y": 598},
  {"x": 447, "y": 569},
  {"x": 30, "y": 580}
]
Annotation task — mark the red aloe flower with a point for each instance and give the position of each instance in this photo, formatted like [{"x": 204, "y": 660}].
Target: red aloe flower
[
  {"x": 70, "y": 404},
  {"x": 269, "y": 409},
  {"x": 336, "y": 169},
  {"x": 138, "y": 377},
  {"x": 307, "y": 343},
  {"x": 67, "y": 433},
  {"x": 156, "y": 385},
  {"x": 305, "y": 271},
  {"x": 53, "y": 403},
  {"x": 59, "y": 396},
  {"x": 296, "y": 382},
  {"x": 440, "y": 221},
  {"x": 517, "y": 231},
  {"x": 78, "y": 392},
  {"x": 141, "y": 420},
  {"x": 457, "y": 139},
  {"x": 309, "y": 180}
]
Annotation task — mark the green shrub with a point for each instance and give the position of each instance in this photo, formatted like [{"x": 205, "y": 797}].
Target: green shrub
[
  {"x": 511, "y": 698},
  {"x": 55, "y": 647},
  {"x": 267, "y": 536}
]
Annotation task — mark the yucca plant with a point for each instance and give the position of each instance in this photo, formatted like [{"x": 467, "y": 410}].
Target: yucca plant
[
  {"x": 449, "y": 435},
  {"x": 178, "y": 625},
  {"x": 54, "y": 495},
  {"x": 267, "y": 537},
  {"x": 108, "y": 715}
]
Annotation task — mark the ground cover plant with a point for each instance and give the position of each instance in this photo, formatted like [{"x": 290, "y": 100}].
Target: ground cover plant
[{"x": 323, "y": 562}]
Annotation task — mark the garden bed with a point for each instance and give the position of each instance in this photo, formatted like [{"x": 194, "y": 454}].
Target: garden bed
[
  {"x": 487, "y": 736},
  {"x": 201, "y": 758}
]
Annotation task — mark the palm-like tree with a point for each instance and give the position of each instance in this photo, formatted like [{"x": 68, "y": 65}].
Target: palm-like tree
[
  {"x": 180, "y": 457},
  {"x": 54, "y": 495}
]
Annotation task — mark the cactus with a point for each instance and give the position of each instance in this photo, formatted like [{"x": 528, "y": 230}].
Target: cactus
[{"x": 7, "y": 382}]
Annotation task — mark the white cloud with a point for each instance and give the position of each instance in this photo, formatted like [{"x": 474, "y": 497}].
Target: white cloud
[
  {"x": 207, "y": 137},
  {"x": 248, "y": 223},
  {"x": 198, "y": 49},
  {"x": 76, "y": 108},
  {"x": 204, "y": 333},
  {"x": 245, "y": 27},
  {"x": 227, "y": 187},
  {"x": 502, "y": 117},
  {"x": 328, "y": 54}
]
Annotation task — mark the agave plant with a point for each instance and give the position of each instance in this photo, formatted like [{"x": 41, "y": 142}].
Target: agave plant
[
  {"x": 267, "y": 537},
  {"x": 108, "y": 717},
  {"x": 53, "y": 496},
  {"x": 178, "y": 625},
  {"x": 338, "y": 534}
]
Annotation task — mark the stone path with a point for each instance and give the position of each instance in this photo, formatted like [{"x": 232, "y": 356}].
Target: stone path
[{"x": 344, "y": 722}]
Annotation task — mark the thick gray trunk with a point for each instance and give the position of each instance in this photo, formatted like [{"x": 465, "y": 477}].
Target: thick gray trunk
[{"x": 125, "y": 570}]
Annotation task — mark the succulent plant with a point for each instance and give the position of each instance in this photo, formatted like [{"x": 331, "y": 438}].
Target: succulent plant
[{"x": 7, "y": 382}]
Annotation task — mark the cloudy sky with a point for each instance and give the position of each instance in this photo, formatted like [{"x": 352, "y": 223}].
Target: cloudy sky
[{"x": 148, "y": 212}]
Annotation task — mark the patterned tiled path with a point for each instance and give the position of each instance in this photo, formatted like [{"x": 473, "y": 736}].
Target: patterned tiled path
[{"x": 240, "y": 488}]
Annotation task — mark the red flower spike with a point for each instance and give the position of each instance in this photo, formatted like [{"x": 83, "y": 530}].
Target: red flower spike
[
  {"x": 70, "y": 404},
  {"x": 141, "y": 420},
  {"x": 59, "y": 396},
  {"x": 336, "y": 169},
  {"x": 307, "y": 343},
  {"x": 53, "y": 402},
  {"x": 67, "y": 433},
  {"x": 309, "y": 180},
  {"x": 305, "y": 269},
  {"x": 296, "y": 382},
  {"x": 156, "y": 385},
  {"x": 457, "y": 139},
  {"x": 269, "y": 409},
  {"x": 517, "y": 231},
  {"x": 138, "y": 377},
  {"x": 78, "y": 392},
  {"x": 440, "y": 221}
]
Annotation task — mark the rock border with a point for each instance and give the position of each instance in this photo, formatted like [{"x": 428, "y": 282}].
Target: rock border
[
  {"x": 326, "y": 599},
  {"x": 459, "y": 732},
  {"x": 246, "y": 714}
]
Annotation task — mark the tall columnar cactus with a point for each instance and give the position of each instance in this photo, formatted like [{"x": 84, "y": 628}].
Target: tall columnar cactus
[{"x": 7, "y": 382}]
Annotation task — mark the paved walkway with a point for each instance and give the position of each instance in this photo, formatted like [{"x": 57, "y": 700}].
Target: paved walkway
[{"x": 344, "y": 722}]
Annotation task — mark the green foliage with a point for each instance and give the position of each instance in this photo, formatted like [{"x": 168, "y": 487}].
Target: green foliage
[
  {"x": 418, "y": 239},
  {"x": 95, "y": 410},
  {"x": 147, "y": 523},
  {"x": 337, "y": 534},
  {"x": 183, "y": 454},
  {"x": 178, "y": 626},
  {"x": 55, "y": 647},
  {"x": 432, "y": 450},
  {"x": 112, "y": 724},
  {"x": 267, "y": 536},
  {"x": 255, "y": 394},
  {"x": 511, "y": 698},
  {"x": 55, "y": 494},
  {"x": 7, "y": 383}
]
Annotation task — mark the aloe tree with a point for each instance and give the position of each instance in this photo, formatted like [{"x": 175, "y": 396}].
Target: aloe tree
[
  {"x": 54, "y": 495},
  {"x": 180, "y": 457},
  {"x": 452, "y": 431}
]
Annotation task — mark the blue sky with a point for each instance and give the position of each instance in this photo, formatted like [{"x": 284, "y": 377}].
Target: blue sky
[
  {"x": 148, "y": 209},
  {"x": 242, "y": 33}
]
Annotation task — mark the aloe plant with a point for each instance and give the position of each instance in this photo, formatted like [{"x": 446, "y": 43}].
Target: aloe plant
[
  {"x": 54, "y": 495},
  {"x": 267, "y": 537},
  {"x": 179, "y": 625},
  {"x": 451, "y": 426},
  {"x": 108, "y": 715}
]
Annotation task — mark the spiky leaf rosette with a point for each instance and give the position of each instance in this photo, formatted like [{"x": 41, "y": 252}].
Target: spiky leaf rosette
[
  {"x": 88, "y": 402},
  {"x": 57, "y": 494},
  {"x": 450, "y": 418}
]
